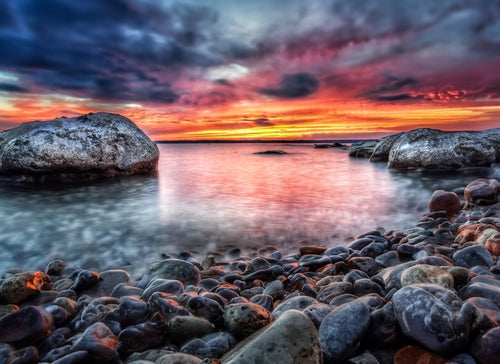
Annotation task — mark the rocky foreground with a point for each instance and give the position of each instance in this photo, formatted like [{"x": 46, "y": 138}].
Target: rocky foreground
[{"x": 430, "y": 294}]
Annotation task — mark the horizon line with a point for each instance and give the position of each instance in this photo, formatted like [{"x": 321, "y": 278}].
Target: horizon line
[{"x": 264, "y": 141}]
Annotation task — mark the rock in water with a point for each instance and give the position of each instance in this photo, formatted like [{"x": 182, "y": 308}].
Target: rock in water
[
  {"x": 66, "y": 149},
  {"x": 433, "y": 149},
  {"x": 482, "y": 191},
  {"x": 342, "y": 330},
  {"x": 292, "y": 339},
  {"x": 362, "y": 149},
  {"x": 27, "y": 326},
  {"x": 445, "y": 201}
]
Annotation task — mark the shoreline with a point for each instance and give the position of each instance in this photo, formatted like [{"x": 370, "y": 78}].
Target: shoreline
[{"x": 431, "y": 291}]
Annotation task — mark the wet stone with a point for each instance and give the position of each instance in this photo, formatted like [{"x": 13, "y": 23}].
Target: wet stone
[
  {"x": 423, "y": 273},
  {"x": 141, "y": 337},
  {"x": 183, "y": 328},
  {"x": 329, "y": 292},
  {"x": 85, "y": 280},
  {"x": 472, "y": 256},
  {"x": 27, "y": 326},
  {"x": 174, "y": 287},
  {"x": 486, "y": 349},
  {"x": 99, "y": 343},
  {"x": 244, "y": 319}
]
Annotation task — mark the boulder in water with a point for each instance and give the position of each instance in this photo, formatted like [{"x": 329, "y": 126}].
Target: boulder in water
[{"x": 85, "y": 147}]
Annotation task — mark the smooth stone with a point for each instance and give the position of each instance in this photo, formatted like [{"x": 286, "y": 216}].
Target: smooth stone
[
  {"x": 83, "y": 147},
  {"x": 76, "y": 357},
  {"x": 27, "y": 326},
  {"x": 138, "y": 338},
  {"x": 332, "y": 290},
  {"x": 122, "y": 289},
  {"x": 362, "y": 149},
  {"x": 384, "y": 327},
  {"x": 487, "y": 349},
  {"x": 291, "y": 339},
  {"x": 183, "y": 328},
  {"x": 372, "y": 300},
  {"x": 412, "y": 354},
  {"x": 383, "y": 147},
  {"x": 365, "y": 358},
  {"x": 485, "y": 287},
  {"x": 62, "y": 284},
  {"x": 373, "y": 250},
  {"x": 298, "y": 303},
  {"x": 130, "y": 311},
  {"x": 109, "y": 280},
  {"x": 268, "y": 274},
  {"x": 343, "y": 298},
  {"x": 472, "y": 256},
  {"x": 337, "y": 250},
  {"x": 263, "y": 300},
  {"x": 99, "y": 343},
  {"x": 354, "y": 275},
  {"x": 486, "y": 306},
  {"x": 6, "y": 309},
  {"x": 318, "y": 312},
  {"x": 423, "y": 273},
  {"x": 174, "y": 287},
  {"x": 360, "y": 243},
  {"x": 167, "y": 307},
  {"x": 197, "y": 347},
  {"x": 445, "y": 201},
  {"x": 366, "y": 286},
  {"x": 57, "y": 353},
  {"x": 463, "y": 359},
  {"x": 178, "y": 358},
  {"x": 27, "y": 355},
  {"x": 219, "y": 343},
  {"x": 95, "y": 311},
  {"x": 342, "y": 331},
  {"x": 388, "y": 259},
  {"x": 17, "y": 288},
  {"x": 56, "y": 339},
  {"x": 433, "y": 316},
  {"x": 149, "y": 355},
  {"x": 314, "y": 261},
  {"x": 55, "y": 267},
  {"x": 366, "y": 264},
  {"x": 174, "y": 269},
  {"x": 67, "y": 303},
  {"x": 85, "y": 280},
  {"x": 59, "y": 315},
  {"x": 243, "y": 319},
  {"x": 206, "y": 308},
  {"x": 312, "y": 249},
  {"x": 482, "y": 191}
]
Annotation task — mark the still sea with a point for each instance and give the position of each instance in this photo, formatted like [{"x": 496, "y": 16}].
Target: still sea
[{"x": 206, "y": 197}]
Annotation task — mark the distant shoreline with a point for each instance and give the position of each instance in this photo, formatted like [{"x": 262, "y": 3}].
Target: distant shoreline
[{"x": 218, "y": 141}]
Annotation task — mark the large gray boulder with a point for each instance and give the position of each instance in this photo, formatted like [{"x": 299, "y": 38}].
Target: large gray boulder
[
  {"x": 432, "y": 149},
  {"x": 84, "y": 147}
]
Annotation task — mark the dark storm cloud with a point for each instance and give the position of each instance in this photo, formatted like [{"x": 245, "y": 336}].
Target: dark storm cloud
[
  {"x": 293, "y": 86},
  {"x": 110, "y": 49},
  {"x": 262, "y": 122},
  {"x": 9, "y": 87},
  {"x": 391, "y": 89}
]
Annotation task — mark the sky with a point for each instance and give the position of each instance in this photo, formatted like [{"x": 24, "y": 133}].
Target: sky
[{"x": 256, "y": 69}]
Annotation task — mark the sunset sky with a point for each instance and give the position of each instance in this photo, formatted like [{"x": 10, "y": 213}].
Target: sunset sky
[{"x": 254, "y": 69}]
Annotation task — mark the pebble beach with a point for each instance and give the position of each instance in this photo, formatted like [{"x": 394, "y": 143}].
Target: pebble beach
[{"x": 428, "y": 294}]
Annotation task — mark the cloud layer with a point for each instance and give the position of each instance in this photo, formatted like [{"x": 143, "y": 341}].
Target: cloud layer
[{"x": 192, "y": 54}]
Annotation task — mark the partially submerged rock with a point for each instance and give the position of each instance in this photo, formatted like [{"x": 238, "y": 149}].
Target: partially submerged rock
[
  {"x": 363, "y": 149},
  {"x": 85, "y": 147},
  {"x": 432, "y": 149},
  {"x": 272, "y": 152}
]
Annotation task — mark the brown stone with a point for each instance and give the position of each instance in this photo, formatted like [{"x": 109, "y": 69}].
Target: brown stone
[
  {"x": 482, "y": 191},
  {"x": 445, "y": 201},
  {"x": 472, "y": 232},
  {"x": 412, "y": 354},
  {"x": 312, "y": 249}
]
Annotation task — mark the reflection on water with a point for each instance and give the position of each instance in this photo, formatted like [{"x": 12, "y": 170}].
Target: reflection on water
[{"x": 208, "y": 195}]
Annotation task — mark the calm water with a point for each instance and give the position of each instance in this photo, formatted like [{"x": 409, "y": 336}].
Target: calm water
[{"x": 208, "y": 195}]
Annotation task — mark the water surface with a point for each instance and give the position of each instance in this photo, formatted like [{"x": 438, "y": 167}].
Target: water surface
[{"x": 206, "y": 196}]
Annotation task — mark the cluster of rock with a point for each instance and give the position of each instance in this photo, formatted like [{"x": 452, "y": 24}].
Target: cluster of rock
[
  {"x": 86, "y": 147},
  {"x": 432, "y": 149},
  {"x": 332, "y": 145},
  {"x": 429, "y": 294}
]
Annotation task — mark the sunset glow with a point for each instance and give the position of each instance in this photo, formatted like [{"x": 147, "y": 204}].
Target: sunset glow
[{"x": 190, "y": 70}]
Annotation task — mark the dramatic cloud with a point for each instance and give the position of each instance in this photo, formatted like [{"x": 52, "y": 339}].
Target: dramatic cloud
[
  {"x": 293, "y": 86},
  {"x": 11, "y": 87},
  {"x": 262, "y": 122}
]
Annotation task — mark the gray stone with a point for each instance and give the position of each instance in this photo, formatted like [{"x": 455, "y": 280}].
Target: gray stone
[
  {"x": 130, "y": 311},
  {"x": 175, "y": 269},
  {"x": 178, "y": 358},
  {"x": 243, "y": 319},
  {"x": 296, "y": 303},
  {"x": 383, "y": 148},
  {"x": 174, "y": 287},
  {"x": 318, "y": 312},
  {"x": 424, "y": 273},
  {"x": 183, "y": 328},
  {"x": 472, "y": 256},
  {"x": 434, "y": 317},
  {"x": 332, "y": 290},
  {"x": 67, "y": 149},
  {"x": 342, "y": 331},
  {"x": 437, "y": 150},
  {"x": 109, "y": 280},
  {"x": 18, "y": 287},
  {"x": 292, "y": 339},
  {"x": 138, "y": 338}
]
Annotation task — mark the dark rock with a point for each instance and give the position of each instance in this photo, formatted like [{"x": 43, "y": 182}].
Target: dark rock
[
  {"x": 362, "y": 149},
  {"x": 178, "y": 358},
  {"x": 433, "y": 316},
  {"x": 472, "y": 256},
  {"x": 99, "y": 343},
  {"x": 424, "y": 273},
  {"x": 197, "y": 347},
  {"x": 388, "y": 259},
  {"x": 275, "y": 289},
  {"x": 383, "y": 148},
  {"x": 384, "y": 327},
  {"x": 207, "y": 308},
  {"x": 407, "y": 250},
  {"x": 482, "y": 287},
  {"x": 95, "y": 311},
  {"x": 167, "y": 307},
  {"x": 163, "y": 285},
  {"x": 267, "y": 274},
  {"x": 366, "y": 264},
  {"x": 27, "y": 355},
  {"x": 77, "y": 357},
  {"x": 482, "y": 192},
  {"x": 55, "y": 267},
  {"x": 342, "y": 331},
  {"x": 360, "y": 243},
  {"x": 109, "y": 279},
  {"x": 69, "y": 149},
  {"x": 19, "y": 287},
  {"x": 332, "y": 290},
  {"x": 27, "y": 326},
  {"x": 486, "y": 349},
  {"x": 122, "y": 290},
  {"x": 317, "y": 312},
  {"x": 85, "y": 280},
  {"x": 243, "y": 319},
  {"x": 219, "y": 343},
  {"x": 59, "y": 315},
  {"x": 372, "y": 250},
  {"x": 54, "y": 340},
  {"x": 290, "y": 339},
  {"x": 272, "y": 152},
  {"x": 140, "y": 337},
  {"x": 130, "y": 311},
  {"x": 412, "y": 354},
  {"x": 298, "y": 303},
  {"x": 263, "y": 300}
]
